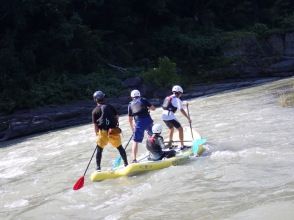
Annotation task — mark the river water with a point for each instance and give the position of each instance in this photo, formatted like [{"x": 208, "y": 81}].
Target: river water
[{"x": 247, "y": 174}]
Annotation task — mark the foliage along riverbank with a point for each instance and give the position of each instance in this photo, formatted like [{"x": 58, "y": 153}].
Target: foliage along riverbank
[
  {"x": 55, "y": 52},
  {"x": 48, "y": 118}
]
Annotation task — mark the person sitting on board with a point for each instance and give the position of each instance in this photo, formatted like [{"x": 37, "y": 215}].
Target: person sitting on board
[
  {"x": 170, "y": 105},
  {"x": 155, "y": 145},
  {"x": 105, "y": 120},
  {"x": 138, "y": 111}
]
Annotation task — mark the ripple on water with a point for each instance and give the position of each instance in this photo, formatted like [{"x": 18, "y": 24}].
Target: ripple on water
[
  {"x": 15, "y": 166},
  {"x": 17, "y": 204},
  {"x": 271, "y": 211},
  {"x": 220, "y": 125},
  {"x": 54, "y": 153}
]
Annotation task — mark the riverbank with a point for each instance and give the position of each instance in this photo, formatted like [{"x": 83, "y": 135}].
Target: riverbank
[{"x": 27, "y": 122}]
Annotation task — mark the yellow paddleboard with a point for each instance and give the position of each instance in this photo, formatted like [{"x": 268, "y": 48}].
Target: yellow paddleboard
[{"x": 141, "y": 167}]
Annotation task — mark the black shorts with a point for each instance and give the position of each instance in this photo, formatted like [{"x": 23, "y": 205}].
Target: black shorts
[
  {"x": 172, "y": 123},
  {"x": 165, "y": 154},
  {"x": 169, "y": 153}
]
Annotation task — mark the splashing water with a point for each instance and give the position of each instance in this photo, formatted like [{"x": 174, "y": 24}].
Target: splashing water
[{"x": 247, "y": 174}]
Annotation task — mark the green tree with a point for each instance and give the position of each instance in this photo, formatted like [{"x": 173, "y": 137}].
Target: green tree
[{"x": 164, "y": 76}]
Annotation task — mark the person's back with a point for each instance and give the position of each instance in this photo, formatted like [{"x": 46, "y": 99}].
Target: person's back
[
  {"x": 169, "y": 108},
  {"x": 105, "y": 116},
  {"x": 172, "y": 103},
  {"x": 138, "y": 108},
  {"x": 139, "y": 119},
  {"x": 105, "y": 120},
  {"x": 155, "y": 145}
]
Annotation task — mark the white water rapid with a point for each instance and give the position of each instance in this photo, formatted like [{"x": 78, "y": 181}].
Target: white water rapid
[{"x": 247, "y": 175}]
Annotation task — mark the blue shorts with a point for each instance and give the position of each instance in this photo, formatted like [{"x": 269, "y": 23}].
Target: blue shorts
[{"x": 142, "y": 124}]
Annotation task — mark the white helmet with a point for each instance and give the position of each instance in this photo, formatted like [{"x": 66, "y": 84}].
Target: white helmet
[
  {"x": 156, "y": 128},
  {"x": 135, "y": 93},
  {"x": 177, "y": 88}
]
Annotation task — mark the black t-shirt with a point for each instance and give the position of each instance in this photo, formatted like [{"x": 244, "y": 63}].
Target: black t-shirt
[{"x": 105, "y": 116}]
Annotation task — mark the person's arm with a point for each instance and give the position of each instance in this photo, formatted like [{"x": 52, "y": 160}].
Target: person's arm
[
  {"x": 115, "y": 112},
  {"x": 96, "y": 128},
  {"x": 117, "y": 118},
  {"x": 161, "y": 142},
  {"x": 183, "y": 111},
  {"x": 94, "y": 119},
  {"x": 131, "y": 118},
  {"x": 149, "y": 105},
  {"x": 131, "y": 123},
  {"x": 186, "y": 115},
  {"x": 152, "y": 107}
]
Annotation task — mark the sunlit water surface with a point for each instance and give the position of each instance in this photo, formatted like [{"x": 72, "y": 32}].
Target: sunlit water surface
[{"x": 248, "y": 173}]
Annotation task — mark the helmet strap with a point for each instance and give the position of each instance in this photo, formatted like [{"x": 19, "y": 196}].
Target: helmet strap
[
  {"x": 100, "y": 101},
  {"x": 177, "y": 94}
]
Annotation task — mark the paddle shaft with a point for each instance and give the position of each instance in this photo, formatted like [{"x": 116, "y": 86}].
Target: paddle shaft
[
  {"x": 117, "y": 161},
  {"x": 190, "y": 121},
  {"x": 80, "y": 183},
  {"x": 176, "y": 141},
  {"x": 129, "y": 141},
  {"x": 143, "y": 158},
  {"x": 90, "y": 161}
]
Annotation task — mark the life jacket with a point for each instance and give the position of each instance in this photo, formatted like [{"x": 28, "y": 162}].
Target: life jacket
[
  {"x": 151, "y": 141},
  {"x": 154, "y": 148},
  {"x": 138, "y": 108},
  {"x": 107, "y": 118},
  {"x": 167, "y": 104}
]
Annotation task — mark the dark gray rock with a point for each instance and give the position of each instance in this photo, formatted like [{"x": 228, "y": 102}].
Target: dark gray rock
[
  {"x": 243, "y": 46},
  {"x": 289, "y": 44},
  {"x": 24, "y": 123},
  {"x": 283, "y": 66},
  {"x": 161, "y": 93},
  {"x": 133, "y": 82},
  {"x": 276, "y": 42}
]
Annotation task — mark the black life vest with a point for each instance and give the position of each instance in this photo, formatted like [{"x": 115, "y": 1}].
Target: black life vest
[
  {"x": 107, "y": 117},
  {"x": 167, "y": 104}
]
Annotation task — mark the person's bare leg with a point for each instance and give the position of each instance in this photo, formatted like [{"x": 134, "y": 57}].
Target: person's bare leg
[
  {"x": 134, "y": 150},
  {"x": 170, "y": 135},
  {"x": 181, "y": 135}
]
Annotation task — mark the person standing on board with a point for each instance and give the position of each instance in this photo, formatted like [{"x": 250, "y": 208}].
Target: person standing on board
[
  {"x": 139, "y": 119},
  {"x": 105, "y": 120},
  {"x": 170, "y": 105},
  {"x": 155, "y": 145}
]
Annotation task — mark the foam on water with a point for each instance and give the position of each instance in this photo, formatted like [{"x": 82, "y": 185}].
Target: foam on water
[
  {"x": 17, "y": 204},
  {"x": 54, "y": 153},
  {"x": 15, "y": 166},
  {"x": 220, "y": 125},
  {"x": 247, "y": 172}
]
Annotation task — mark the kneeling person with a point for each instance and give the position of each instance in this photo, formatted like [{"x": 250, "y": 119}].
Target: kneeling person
[{"x": 155, "y": 144}]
